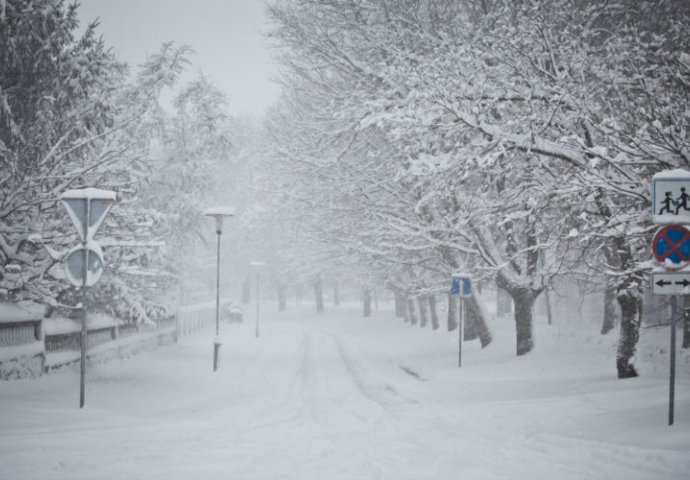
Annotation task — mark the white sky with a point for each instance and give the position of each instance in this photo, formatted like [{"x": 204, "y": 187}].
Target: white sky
[{"x": 225, "y": 34}]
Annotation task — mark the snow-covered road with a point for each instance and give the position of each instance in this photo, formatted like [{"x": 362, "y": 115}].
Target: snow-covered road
[{"x": 341, "y": 397}]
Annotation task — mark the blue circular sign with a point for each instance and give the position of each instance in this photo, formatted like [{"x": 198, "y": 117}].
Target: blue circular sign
[{"x": 671, "y": 246}]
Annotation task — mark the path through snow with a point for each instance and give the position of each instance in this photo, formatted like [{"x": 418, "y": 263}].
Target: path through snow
[{"x": 341, "y": 397}]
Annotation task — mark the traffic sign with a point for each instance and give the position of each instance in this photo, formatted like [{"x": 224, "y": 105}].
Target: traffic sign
[
  {"x": 671, "y": 283},
  {"x": 84, "y": 264},
  {"x": 671, "y": 197},
  {"x": 461, "y": 284},
  {"x": 671, "y": 247},
  {"x": 87, "y": 208},
  {"x": 74, "y": 264}
]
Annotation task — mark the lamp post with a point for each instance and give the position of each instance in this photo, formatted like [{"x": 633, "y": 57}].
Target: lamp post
[
  {"x": 258, "y": 266},
  {"x": 218, "y": 213}
]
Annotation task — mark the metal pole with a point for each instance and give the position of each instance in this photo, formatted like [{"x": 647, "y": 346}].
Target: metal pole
[
  {"x": 672, "y": 380},
  {"x": 218, "y": 287},
  {"x": 258, "y": 279},
  {"x": 461, "y": 328},
  {"x": 84, "y": 332},
  {"x": 216, "y": 342}
]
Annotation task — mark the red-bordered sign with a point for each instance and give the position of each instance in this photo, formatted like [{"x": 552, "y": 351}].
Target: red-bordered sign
[{"x": 671, "y": 247}]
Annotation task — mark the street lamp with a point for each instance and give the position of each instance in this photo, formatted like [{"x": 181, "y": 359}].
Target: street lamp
[
  {"x": 258, "y": 266},
  {"x": 218, "y": 213}
]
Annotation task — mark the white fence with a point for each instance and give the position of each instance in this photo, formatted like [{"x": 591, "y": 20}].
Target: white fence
[{"x": 192, "y": 319}]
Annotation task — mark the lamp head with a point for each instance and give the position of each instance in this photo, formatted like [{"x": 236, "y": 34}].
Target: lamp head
[{"x": 219, "y": 213}]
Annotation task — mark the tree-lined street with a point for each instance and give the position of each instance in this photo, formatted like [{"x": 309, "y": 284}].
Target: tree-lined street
[
  {"x": 535, "y": 154},
  {"x": 341, "y": 397}
]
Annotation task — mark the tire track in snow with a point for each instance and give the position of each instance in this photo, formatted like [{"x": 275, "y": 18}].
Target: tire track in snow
[
  {"x": 563, "y": 456},
  {"x": 382, "y": 393},
  {"x": 329, "y": 389},
  {"x": 353, "y": 409},
  {"x": 333, "y": 396}
]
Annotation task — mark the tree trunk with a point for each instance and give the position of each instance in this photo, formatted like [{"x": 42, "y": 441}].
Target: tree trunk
[
  {"x": 629, "y": 298},
  {"x": 423, "y": 310},
  {"x": 549, "y": 310},
  {"x": 336, "y": 293},
  {"x": 399, "y": 305},
  {"x": 282, "y": 298},
  {"x": 469, "y": 331},
  {"x": 631, "y": 312},
  {"x": 246, "y": 291},
  {"x": 504, "y": 304},
  {"x": 499, "y": 303},
  {"x": 318, "y": 292},
  {"x": 366, "y": 300},
  {"x": 630, "y": 301},
  {"x": 432, "y": 311},
  {"x": 481, "y": 327},
  {"x": 410, "y": 309},
  {"x": 452, "y": 312},
  {"x": 524, "y": 299},
  {"x": 581, "y": 297},
  {"x": 609, "y": 322}
]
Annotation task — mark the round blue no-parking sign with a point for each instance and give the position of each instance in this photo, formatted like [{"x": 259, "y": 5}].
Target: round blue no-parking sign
[{"x": 671, "y": 246}]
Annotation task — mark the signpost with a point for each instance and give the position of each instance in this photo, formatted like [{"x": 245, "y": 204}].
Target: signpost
[
  {"x": 671, "y": 250},
  {"x": 74, "y": 264},
  {"x": 671, "y": 283},
  {"x": 258, "y": 266},
  {"x": 461, "y": 285},
  {"x": 87, "y": 207},
  {"x": 218, "y": 214}
]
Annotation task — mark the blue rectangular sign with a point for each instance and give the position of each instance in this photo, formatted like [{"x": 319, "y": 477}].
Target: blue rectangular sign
[
  {"x": 455, "y": 285},
  {"x": 466, "y": 287},
  {"x": 461, "y": 285}
]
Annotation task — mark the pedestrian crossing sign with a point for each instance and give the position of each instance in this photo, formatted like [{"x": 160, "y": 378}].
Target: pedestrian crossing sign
[{"x": 671, "y": 197}]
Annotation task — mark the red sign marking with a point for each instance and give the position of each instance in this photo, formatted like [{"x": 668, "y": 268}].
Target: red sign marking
[{"x": 673, "y": 246}]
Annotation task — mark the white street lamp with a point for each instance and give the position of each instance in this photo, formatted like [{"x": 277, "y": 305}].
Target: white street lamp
[
  {"x": 218, "y": 213},
  {"x": 258, "y": 266}
]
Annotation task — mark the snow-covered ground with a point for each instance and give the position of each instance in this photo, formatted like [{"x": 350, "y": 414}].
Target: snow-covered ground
[{"x": 341, "y": 397}]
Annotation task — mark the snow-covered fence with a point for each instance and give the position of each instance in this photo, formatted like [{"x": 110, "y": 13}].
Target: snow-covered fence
[
  {"x": 65, "y": 334},
  {"x": 21, "y": 342},
  {"x": 19, "y": 332},
  {"x": 106, "y": 337},
  {"x": 31, "y": 345},
  {"x": 192, "y": 319}
]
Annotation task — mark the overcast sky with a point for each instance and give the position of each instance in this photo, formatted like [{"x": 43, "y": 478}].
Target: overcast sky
[{"x": 225, "y": 34}]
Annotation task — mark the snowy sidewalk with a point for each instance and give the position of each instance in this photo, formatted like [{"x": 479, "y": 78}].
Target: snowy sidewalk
[{"x": 341, "y": 397}]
